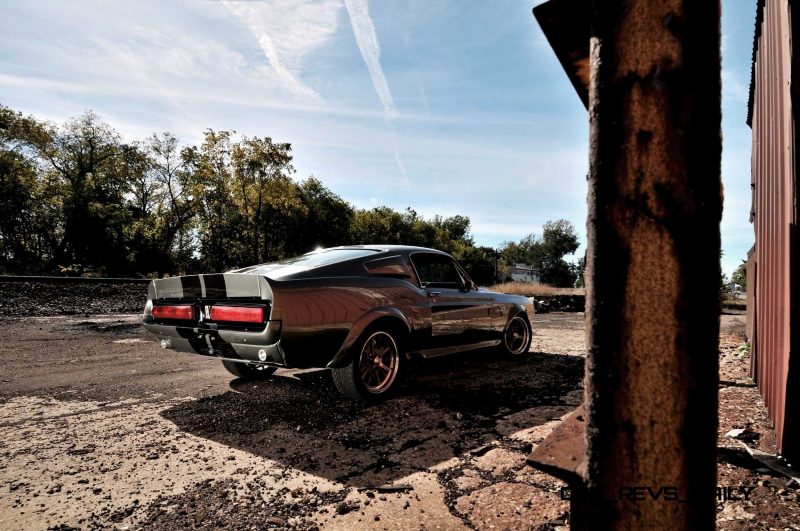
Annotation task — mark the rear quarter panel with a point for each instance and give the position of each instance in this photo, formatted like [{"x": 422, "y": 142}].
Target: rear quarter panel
[{"x": 320, "y": 316}]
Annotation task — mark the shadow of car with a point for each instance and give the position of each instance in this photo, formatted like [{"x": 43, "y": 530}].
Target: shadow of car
[{"x": 448, "y": 408}]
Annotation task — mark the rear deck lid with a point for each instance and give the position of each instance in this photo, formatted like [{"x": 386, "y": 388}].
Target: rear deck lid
[{"x": 212, "y": 286}]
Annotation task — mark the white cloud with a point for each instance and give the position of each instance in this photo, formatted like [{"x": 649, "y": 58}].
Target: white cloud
[
  {"x": 30, "y": 83},
  {"x": 287, "y": 31}
]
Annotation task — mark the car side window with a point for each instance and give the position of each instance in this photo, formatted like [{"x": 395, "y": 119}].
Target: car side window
[{"x": 436, "y": 271}]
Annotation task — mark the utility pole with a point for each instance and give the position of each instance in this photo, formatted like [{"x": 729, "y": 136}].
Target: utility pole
[
  {"x": 640, "y": 453},
  {"x": 653, "y": 264}
]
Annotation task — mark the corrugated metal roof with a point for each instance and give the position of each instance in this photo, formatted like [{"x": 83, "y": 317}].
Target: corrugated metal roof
[{"x": 756, "y": 36}]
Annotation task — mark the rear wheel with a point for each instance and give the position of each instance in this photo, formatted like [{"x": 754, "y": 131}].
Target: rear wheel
[
  {"x": 373, "y": 370},
  {"x": 247, "y": 371},
  {"x": 517, "y": 336}
]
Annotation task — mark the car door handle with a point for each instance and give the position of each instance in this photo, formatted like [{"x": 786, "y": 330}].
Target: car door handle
[{"x": 434, "y": 294}]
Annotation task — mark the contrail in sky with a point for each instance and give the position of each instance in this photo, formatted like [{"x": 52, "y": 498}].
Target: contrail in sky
[{"x": 367, "y": 40}]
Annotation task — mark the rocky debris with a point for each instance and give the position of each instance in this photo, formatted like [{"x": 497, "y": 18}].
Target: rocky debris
[
  {"x": 308, "y": 406},
  {"x": 345, "y": 507},
  {"x": 500, "y": 461},
  {"x": 746, "y": 434},
  {"x": 385, "y": 489},
  {"x": 41, "y": 299},
  {"x": 509, "y": 505},
  {"x": 228, "y": 504},
  {"x": 559, "y": 303}
]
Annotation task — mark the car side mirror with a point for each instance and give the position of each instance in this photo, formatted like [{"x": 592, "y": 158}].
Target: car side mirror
[{"x": 469, "y": 285}]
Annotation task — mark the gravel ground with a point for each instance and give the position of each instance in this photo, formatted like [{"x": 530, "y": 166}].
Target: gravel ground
[{"x": 101, "y": 428}]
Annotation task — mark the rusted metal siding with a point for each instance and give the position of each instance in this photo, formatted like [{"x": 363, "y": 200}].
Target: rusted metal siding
[
  {"x": 773, "y": 179},
  {"x": 751, "y": 298}
]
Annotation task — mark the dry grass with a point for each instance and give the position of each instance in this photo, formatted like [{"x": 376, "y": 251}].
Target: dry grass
[{"x": 529, "y": 289}]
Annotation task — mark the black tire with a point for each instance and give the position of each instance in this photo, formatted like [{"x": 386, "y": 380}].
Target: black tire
[
  {"x": 373, "y": 369},
  {"x": 517, "y": 336},
  {"x": 247, "y": 371}
]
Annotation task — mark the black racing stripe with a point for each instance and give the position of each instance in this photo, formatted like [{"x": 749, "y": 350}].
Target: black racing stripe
[
  {"x": 191, "y": 287},
  {"x": 215, "y": 286}
]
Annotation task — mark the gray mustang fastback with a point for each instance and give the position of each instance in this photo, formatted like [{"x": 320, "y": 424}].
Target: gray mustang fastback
[{"x": 358, "y": 310}]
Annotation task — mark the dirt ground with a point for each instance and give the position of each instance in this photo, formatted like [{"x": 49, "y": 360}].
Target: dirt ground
[{"x": 101, "y": 428}]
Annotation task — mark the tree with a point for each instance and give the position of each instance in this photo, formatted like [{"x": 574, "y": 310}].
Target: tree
[
  {"x": 175, "y": 211},
  {"x": 479, "y": 263},
  {"x": 264, "y": 196},
  {"x": 89, "y": 171},
  {"x": 558, "y": 239},
  {"x": 380, "y": 225},
  {"x": 739, "y": 276},
  {"x": 328, "y": 220},
  {"x": 547, "y": 255},
  {"x": 579, "y": 271},
  {"x": 23, "y": 206},
  {"x": 79, "y": 199}
]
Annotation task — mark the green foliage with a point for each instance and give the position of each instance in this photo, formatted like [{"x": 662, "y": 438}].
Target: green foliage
[
  {"x": 384, "y": 225},
  {"x": 579, "y": 271},
  {"x": 330, "y": 215},
  {"x": 744, "y": 350},
  {"x": 724, "y": 285},
  {"x": 479, "y": 263},
  {"x": 547, "y": 254},
  {"x": 78, "y": 200},
  {"x": 25, "y": 203},
  {"x": 739, "y": 277}
]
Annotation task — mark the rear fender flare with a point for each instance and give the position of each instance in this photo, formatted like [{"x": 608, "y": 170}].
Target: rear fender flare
[
  {"x": 344, "y": 355},
  {"x": 514, "y": 311}
]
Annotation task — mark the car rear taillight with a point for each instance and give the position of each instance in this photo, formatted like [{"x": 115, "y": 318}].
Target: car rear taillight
[
  {"x": 237, "y": 314},
  {"x": 184, "y": 312}
]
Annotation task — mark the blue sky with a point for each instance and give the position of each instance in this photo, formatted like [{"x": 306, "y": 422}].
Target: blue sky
[{"x": 447, "y": 106}]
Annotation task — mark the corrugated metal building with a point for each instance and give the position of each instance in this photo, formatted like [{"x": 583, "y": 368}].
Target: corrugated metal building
[{"x": 774, "y": 265}]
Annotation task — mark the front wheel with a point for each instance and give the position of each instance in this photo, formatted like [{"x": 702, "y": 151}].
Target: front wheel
[
  {"x": 517, "y": 336},
  {"x": 373, "y": 370},
  {"x": 247, "y": 371}
]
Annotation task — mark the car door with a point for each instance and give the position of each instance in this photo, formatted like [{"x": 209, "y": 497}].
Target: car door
[{"x": 459, "y": 316}]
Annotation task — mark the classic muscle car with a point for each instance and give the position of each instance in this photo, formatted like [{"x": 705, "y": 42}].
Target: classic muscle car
[{"x": 361, "y": 311}]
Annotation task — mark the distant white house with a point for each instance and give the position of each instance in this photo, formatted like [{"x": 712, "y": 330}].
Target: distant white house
[{"x": 523, "y": 273}]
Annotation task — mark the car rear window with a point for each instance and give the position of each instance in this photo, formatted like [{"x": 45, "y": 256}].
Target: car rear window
[
  {"x": 305, "y": 262},
  {"x": 326, "y": 257}
]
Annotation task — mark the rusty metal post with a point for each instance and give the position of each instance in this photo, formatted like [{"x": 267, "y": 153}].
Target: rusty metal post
[{"x": 653, "y": 264}]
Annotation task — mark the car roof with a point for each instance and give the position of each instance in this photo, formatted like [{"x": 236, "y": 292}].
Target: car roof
[
  {"x": 380, "y": 251},
  {"x": 387, "y": 248}
]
